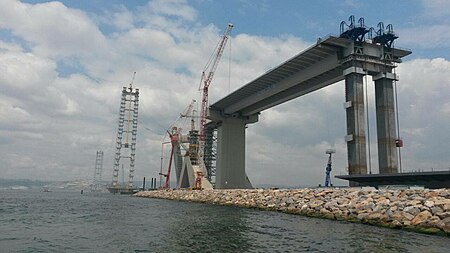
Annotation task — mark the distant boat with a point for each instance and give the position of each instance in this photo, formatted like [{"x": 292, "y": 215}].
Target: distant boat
[{"x": 46, "y": 190}]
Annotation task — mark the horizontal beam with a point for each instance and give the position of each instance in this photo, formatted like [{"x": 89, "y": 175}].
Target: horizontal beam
[{"x": 327, "y": 64}]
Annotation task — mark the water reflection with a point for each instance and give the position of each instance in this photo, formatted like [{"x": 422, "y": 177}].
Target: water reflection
[
  {"x": 206, "y": 228},
  {"x": 64, "y": 221}
]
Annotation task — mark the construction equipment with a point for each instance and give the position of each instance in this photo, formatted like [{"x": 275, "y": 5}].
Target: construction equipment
[
  {"x": 198, "y": 181},
  {"x": 206, "y": 79},
  {"x": 190, "y": 167},
  {"x": 190, "y": 171},
  {"x": 328, "y": 168},
  {"x": 188, "y": 112},
  {"x": 175, "y": 141},
  {"x": 174, "y": 137}
]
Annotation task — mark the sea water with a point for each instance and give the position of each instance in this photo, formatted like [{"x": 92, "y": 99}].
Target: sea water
[{"x": 67, "y": 221}]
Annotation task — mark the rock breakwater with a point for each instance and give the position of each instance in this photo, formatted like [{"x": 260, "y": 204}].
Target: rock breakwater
[{"x": 426, "y": 211}]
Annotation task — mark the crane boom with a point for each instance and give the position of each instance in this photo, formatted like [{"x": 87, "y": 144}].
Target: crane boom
[
  {"x": 187, "y": 112},
  {"x": 206, "y": 79}
]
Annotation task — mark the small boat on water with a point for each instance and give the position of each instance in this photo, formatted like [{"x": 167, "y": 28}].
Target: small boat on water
[{"x": 46, "y": 189}]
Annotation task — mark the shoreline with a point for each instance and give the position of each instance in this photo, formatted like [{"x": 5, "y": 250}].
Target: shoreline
[{"x": 424, "y": 211}]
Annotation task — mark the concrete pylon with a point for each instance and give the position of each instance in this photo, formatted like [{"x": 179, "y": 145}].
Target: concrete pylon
[
  {"x": 354, "y": 106},
  {"x": 386, "y": 125},
  {"x": 230, "y": 164}
]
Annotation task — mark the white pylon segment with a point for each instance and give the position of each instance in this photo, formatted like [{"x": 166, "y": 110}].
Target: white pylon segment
[{"x": 128, "y": 121}]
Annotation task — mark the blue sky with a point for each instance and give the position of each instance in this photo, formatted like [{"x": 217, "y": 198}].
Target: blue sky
[
  {"x": 63, "y": 64},
  {"x": 305, "y": 19}
]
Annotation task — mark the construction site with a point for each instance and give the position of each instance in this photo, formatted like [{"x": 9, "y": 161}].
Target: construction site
[{"x": 210, "y": 152}]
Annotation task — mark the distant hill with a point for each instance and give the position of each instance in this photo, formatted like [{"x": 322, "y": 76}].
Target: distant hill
[{"x": 21, "y": 183}]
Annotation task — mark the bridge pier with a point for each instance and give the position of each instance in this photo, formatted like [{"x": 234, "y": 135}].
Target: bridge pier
[
  {"x": 230, "y": 164},
  {"x": 386, "y": 125},
  {"x": 354, "y": 106},
  {"x": 330, "y": 60}
]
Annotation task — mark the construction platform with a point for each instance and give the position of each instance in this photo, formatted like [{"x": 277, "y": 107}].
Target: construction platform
[
  {"x": 122, "y": 190},
  {"x": 429, "y": 179}
]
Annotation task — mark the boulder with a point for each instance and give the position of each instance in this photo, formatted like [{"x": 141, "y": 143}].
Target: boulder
[
  {"x": 420, "y": 218},
  {"x": 428, "y": 203},
  {"x": 414, "y": 210}
]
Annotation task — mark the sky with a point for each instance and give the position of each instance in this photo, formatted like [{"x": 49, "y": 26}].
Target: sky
[{"x": 63, "y": 65}]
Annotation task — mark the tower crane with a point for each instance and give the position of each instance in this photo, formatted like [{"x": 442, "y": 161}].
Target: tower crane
[{"x": 207, "y": 78}]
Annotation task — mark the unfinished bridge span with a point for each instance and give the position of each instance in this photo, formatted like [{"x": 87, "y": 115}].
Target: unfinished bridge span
[{"x": 348, "y": 57}]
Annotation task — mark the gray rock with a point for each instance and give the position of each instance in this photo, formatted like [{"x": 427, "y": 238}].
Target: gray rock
[
  {"x": 429, "y": 203},
  {"x": 436, "y": 209},
  {"x": 414, "y": 210}
]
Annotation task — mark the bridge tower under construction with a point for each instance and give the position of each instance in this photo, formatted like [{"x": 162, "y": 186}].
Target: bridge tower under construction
[
  {"x": 125, "y": 154},
  {"x": 96, "y": 184}
]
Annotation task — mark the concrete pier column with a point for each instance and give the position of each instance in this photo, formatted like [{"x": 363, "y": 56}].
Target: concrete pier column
[
  {"x": 354, "y": 106},
  {"x": 230, "y": 164},
  {"x": 386, "y": 125}
]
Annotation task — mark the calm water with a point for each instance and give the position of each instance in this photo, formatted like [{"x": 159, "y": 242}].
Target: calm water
[{"x": 33, "y": 221}]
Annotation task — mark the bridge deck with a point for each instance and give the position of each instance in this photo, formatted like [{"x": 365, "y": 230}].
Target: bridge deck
[{"x": 314, "y": 68}]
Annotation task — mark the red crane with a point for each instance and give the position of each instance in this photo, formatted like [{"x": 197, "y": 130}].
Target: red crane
[
  {"x": 206, "y": 79},
  {"x": 174, "y": 135}
]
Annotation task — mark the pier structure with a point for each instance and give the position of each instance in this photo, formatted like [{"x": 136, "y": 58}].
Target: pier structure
[
  {"x": 125, "y": 154},
  {"x": 358, "y": 51}
]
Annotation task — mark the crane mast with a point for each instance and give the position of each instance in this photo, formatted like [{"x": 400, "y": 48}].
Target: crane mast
[{"x": 206, "y": 79}]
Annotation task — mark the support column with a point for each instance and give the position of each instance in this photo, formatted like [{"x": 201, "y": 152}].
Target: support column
[
  {"x": 230, "y": 171},
  {"x": 354, "y": 105},
  {"x": 386, "y": 125}
]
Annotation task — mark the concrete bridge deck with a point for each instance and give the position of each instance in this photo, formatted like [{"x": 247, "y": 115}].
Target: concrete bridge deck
[{"x": 316, "y": 67}]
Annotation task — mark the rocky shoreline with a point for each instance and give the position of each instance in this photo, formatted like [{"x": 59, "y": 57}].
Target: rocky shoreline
[{"x": 426, "y": 211}]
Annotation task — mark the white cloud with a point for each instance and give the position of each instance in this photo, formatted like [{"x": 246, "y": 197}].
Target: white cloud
[
  {"x": 431, "y": 36},
  {"x": 437, "y": 8},
  {"x": 424, "y": 92},
  {"x": 174, "y": 8},
  {"x": 249, "y": 7},
  {"x": 52, "y": 29},
  {"x": 431, "y": 30},
  {"x": 14, "y": 64},
  {"x": 12, "y": 115},
  {"x": 123, "y": 20}
]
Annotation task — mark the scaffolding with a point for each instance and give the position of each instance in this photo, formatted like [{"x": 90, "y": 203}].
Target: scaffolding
[
  {"x": 210, "y": 151},
  {"x": 96, "y": 184},
  {"x": 126, "y": 138}
]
